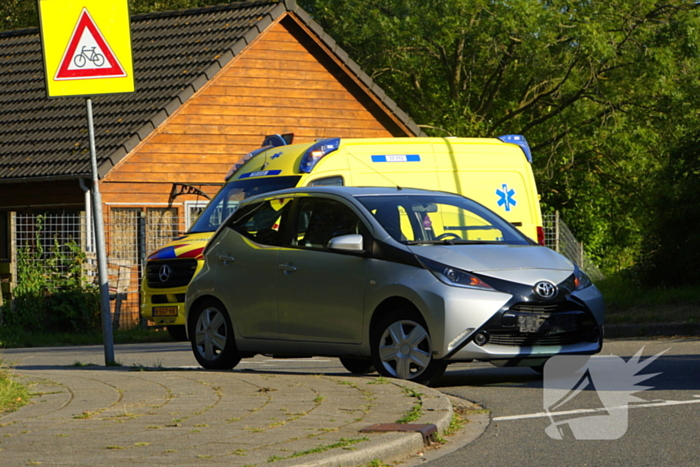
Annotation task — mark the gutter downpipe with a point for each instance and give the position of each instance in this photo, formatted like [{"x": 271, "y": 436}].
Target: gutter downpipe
[{"x": 88, "y": 216}]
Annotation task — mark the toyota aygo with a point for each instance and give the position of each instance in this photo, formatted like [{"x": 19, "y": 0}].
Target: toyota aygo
[{"x": 401, "y": 281}]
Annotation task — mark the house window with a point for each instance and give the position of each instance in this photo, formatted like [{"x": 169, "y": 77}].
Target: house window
[
  {"x": 161, "y": 227},
  {"x": 136, "y": 232},
  {"x": 192, "y": 211},
  {"x": 123, "y": 234}
]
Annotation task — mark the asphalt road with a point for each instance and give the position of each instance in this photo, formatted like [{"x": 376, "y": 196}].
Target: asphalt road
[{"x": 661, "y": 428}]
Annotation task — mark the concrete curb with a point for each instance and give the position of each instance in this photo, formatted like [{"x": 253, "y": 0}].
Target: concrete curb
[
  {"x": 388, "y": 447},
  {"x": 651, "y": 330}
]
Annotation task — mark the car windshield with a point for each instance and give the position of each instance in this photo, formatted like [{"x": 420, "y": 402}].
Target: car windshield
[
  {"x": 439, "y": 220},
  {"x": 227, "y": 199}
]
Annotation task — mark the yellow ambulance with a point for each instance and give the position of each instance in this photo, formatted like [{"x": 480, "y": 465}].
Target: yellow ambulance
[{"x": 496, "y": 172}]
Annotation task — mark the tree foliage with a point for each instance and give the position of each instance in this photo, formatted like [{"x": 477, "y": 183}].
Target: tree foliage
[
  {"x": 18, "y": 14},
  {"x": 600, "y": 89},
  {"x": 671, "y": 254}
]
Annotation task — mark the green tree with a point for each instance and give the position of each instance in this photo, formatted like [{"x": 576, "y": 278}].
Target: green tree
[
  {"x": 670, "y": 253},
  {"x": 18, "y": 14},
  {"x": 600, "y": 89}
]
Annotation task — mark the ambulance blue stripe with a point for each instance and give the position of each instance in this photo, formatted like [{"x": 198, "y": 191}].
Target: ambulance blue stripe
[
  {"x": 397, "y": 158},
  {"x": 261, "y": 173}
]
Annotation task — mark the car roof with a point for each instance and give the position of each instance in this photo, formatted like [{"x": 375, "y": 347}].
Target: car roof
[{"x": 352, "y": 191}]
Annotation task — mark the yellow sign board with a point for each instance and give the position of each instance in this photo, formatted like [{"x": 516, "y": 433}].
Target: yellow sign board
[{"x": 87, "y": 47}]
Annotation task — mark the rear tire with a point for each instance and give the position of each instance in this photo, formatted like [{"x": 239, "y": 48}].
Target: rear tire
[
  {"x": 401, "y": 348},
  {"x": 178, "y": 333},
  {"x": 211, "y": 336},
  {"x": 358, "y": 366}
]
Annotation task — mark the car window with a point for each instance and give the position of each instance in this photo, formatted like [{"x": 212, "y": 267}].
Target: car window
[
  {"x": 429, "y": 218},
  {"x": 263, "y": 222},
  {"x": 227, "y": 199},
  {"x": 322, "y": 219}
]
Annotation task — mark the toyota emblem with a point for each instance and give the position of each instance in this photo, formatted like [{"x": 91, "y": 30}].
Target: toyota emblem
[
  {"x": 546, "y": 290},
  {"x": 164, "y": 273}
]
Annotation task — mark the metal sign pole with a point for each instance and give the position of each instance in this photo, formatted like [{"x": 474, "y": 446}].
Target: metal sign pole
[{"x": 98, "y": 223}]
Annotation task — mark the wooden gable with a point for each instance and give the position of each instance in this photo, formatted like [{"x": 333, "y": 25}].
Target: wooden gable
[{"x": 284, "y": 82}]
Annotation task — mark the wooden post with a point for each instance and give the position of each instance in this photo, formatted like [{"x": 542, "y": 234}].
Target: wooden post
[
  {"x": 13, "y": 251},
  {"x": 556, "y": 231}
]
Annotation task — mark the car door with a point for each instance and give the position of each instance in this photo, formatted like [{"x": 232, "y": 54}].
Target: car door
[
  {"x": 320, "y": 291},
  {"x": 246, "y": 266}
]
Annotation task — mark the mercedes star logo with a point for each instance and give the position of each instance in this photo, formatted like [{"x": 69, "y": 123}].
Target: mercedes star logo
[
  {"x": 164, "y": 273},
  {"x": 545, "y": 290}
]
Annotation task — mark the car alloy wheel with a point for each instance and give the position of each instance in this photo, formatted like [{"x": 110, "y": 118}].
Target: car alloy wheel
[
  {"x": 212, "y": 338},
  {"x": 401, "y": 348}
]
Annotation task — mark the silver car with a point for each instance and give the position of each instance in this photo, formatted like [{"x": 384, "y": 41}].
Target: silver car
[{"x": 402, "y": 281}]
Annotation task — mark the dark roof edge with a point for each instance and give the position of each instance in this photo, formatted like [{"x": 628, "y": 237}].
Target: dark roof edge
[
  {"x": 193, "y": 11},
  {"x": 19, "y": 32},
  {"x": 353, "y": 67},
  {"x": 46, "y": 178}
]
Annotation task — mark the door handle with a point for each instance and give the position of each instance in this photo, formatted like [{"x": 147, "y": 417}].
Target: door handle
[
  {"x": 226, "y": 259},
  {"x": 287, "y": 268}
]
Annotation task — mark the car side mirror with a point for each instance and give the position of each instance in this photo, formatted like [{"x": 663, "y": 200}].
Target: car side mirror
[{"x": 351, "y": 242}]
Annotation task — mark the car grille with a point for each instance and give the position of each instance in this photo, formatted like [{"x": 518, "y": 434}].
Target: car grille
[
  {"x": 516, "y": 338},
  {"x": 180, "y": 273},
  {"x": 160, "y": 299},
  {"x": 541, "y": 308}
]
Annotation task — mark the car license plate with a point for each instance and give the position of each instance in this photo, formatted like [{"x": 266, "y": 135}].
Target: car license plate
[
  {"x": 550, "y": 324},
  {"x": 165, "y": 311},
  {"x": 531, "y": 324}
]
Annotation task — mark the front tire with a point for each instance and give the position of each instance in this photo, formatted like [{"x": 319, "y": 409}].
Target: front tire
[
  {"x": 401, "y": 348},
  {"x": 212, "y": 337}
]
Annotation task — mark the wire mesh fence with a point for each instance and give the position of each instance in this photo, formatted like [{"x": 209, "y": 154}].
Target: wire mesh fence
[
  {"x": 559, "y": 238},
  {"x": 43, "y": 242},
  {"x": 132, "y": 233}
]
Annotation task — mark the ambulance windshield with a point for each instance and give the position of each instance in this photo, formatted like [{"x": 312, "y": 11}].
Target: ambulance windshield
[{"x": 227, "y": 199}]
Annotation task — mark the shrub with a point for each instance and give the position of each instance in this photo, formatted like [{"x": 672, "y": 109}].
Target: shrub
[{"x": 52, "y": 292}]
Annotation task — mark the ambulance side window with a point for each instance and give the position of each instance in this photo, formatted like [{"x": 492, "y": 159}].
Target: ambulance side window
[
  {"x": 328, "y": 181},
  {"x": 263, "y": 222}
]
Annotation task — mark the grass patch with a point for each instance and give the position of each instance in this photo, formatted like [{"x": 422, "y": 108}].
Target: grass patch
[
  {"x": 416, "y": 411},
  {"x": 376, "y": 463},
  {"x": 344, "y": 443},
  {"x": 13, "y": 338},
  {"x": 629, "y": 303},
  {"x": 12, "y": 394},
  {"x": 79, "y": 364}
]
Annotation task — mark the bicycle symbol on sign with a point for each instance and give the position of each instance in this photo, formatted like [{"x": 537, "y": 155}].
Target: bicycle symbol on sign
[{"x": 88, "y": 53}]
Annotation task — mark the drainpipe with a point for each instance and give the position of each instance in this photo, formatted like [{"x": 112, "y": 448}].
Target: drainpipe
[{"x": 88, "y": 217}]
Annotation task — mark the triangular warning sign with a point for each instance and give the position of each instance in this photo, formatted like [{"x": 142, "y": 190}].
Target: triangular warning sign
[{"x": 88, "y": 55}]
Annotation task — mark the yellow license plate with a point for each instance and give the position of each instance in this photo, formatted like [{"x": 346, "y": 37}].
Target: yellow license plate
[{"x": 165, "y": 311}]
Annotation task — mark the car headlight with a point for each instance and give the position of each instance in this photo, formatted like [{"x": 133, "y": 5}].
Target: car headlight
[
  {"x": 453, "y": 276},
  {"x": 581, "y": 280}
]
